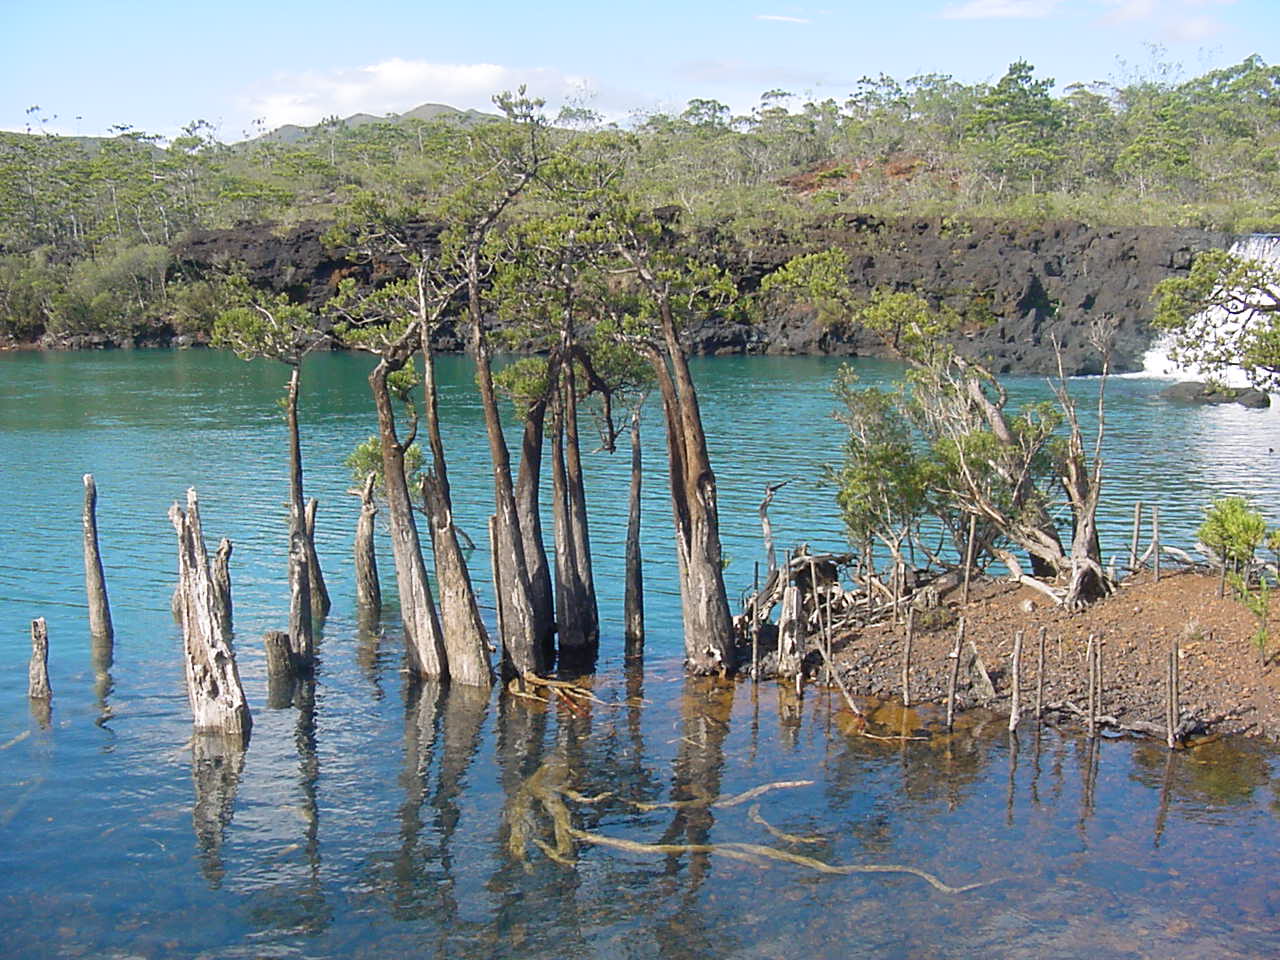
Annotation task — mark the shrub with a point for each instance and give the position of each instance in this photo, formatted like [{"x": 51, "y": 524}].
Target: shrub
[{"x": 1233, "y": 530}]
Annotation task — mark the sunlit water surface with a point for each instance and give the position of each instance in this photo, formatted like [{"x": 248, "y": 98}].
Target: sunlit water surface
[{"x": 371, "y": 817}]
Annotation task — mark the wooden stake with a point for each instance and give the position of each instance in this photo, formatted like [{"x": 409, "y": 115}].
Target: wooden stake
[
  {"x": 1133, "y": 544},
  {"x": 38, "y": 672},
  {"x": 968, "y": 559},
  {"x": 95, "y": 583},
  {"x": 1015, "y": 706},
  {"x": 1040, "y": 677},
  {"x": 1155, "y": 537},
  {"x": 906, "y": 656},
  {"x": 1093, "y": 706},
  {"x": 954, "y": 676},
  {"x": 1097, "y": 677},
  {"x": 755, "y": 629}
]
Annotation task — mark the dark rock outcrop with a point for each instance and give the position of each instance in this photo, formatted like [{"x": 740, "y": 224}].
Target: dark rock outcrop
[
  {"x": 1211, "y": 393},
  {"x": 1037, "y": 280}
]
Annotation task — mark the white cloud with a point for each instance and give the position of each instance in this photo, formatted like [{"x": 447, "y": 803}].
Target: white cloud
[
  {"x": 1000, "y": 10},
  {"x": 394, "y": 86},
  {"x": 1175, "y": 20},
  {"x": 779, "y": 18}
]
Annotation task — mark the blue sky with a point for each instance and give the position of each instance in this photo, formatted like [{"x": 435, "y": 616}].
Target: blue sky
[{"x": 92, "y": 63}]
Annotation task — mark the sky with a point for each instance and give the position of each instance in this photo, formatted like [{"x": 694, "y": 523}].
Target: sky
[{"x": 246, "y": 66}]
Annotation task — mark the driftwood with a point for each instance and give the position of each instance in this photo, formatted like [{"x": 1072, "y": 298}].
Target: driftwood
[
  {"x": 368, "y": 590},
  {"x": 213, "y": 683},
  {"x": 95, "y": 583},
  {"x": 38, "y": 672}
]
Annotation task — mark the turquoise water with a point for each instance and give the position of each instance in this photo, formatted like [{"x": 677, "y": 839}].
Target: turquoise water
[{"x": 374, "y": 817}]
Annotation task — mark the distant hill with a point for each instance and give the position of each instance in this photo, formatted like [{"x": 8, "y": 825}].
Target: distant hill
[{"x": 292, "y": 133}]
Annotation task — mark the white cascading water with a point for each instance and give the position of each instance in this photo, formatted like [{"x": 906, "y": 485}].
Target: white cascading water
[{"x": 1264, "y": 247}]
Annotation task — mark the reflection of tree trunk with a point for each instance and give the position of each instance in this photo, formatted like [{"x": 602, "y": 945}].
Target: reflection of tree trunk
[
  {"x": 368, "y": 589},
  {"x": 466, "y": 642},
  {"x": 633, "y": 597},
  {"x": 705, "y": 709},
  {"x": 463, "y": 718},
  {"x": 708, "y": 625},
  {"x": 317, "y": 913},
  {"x": 216, "y": 766},
  {"x": 425, "y": 646},
  {"x": 421, "y": 724}
]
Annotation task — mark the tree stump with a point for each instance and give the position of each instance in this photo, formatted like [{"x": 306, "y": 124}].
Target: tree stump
[
  {"x": 368, "y": 590},
  {"x": 38, "y": 672},
  {"x": 213, "y": 681},
  {"x": 95, "y": 583}
]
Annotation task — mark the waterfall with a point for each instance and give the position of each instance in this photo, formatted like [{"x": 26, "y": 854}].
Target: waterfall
[{"x": 1264, "y": 247}]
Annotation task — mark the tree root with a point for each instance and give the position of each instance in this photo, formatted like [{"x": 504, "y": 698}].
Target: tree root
[
  {"x": 754, "y": 814},
  {"x": 718, "y": 803},
  {"x": 546, "y": 787}
]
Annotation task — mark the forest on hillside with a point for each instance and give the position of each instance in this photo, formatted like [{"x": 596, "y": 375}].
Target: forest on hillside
[{"x": 87, "y": 225}]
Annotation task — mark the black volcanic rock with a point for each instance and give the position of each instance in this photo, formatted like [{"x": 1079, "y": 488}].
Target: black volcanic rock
[{"x": 1038, "y": 280}]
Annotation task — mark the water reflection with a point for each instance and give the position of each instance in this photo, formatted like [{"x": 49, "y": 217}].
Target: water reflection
[{"x": 217, "y": 764}]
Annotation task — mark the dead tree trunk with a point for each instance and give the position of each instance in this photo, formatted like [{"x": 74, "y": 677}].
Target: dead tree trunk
[
  {"x": 368, "y": 590},
  {"x": 424, "y": 646},
  {"x": 38, "y": 671},
  {"x": 213, "y": 682},
  {"x": 298, "y": 509},
  {"x": 466, "y": 642},
  {"x": 766, "y": 528},
  {"x": 633, "y": 593},
  {"x": 320, "y": 603},
  {"x": 95, "y": 583},
  {"x": 222, "y": 584},
  {"x": 301, "y": 634}
]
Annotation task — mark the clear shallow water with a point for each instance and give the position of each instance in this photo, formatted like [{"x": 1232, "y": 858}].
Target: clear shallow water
[{"x": 378, "y": 819}]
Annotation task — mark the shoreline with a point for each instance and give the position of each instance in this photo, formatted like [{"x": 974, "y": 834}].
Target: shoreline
[{"x": 1223, "y": 687}]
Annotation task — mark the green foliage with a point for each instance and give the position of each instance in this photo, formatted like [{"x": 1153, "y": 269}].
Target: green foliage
[
  {"x": 1225, "y": 312},
  {"x": 366, "y": 458},
  {"x": 1256, "y": 598},
  {"x": 263, "y": 324},
  {"x": 1233, "y": 530}
]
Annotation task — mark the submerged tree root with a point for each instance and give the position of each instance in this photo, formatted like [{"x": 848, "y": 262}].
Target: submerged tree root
[
  {"x": 546, "y": 788},
  {"x": 754, "y": 814}
]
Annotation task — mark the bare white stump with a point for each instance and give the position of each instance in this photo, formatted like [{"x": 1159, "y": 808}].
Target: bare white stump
[
  {"x": 1015, "y": 696},
  {"x": 222, "y": 584},
  {"x": 38, "y": 672},
  {"x": 95, "y": 583},
  {"x": 368, "y": 590},
  {"x": 213, "y": 683},
  {"x": 301, "y": 635},
  {"x": 315, "y": 578}
]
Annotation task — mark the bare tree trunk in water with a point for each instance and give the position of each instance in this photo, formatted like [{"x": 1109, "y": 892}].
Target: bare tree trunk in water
[
  {"x": 633, "y": 599},
  {"x": 297, "y": 504},
  {"x": 213, "y": 683},
  {"x": 319, "y": 593},
  {"x": 95, "y": 583},
  {"x": 301, "y": 633},
  {"x": 466, "y": 642},
  {"x": 424, "y": 646},
  {"x": 368, "y": 589},
  {"x": 521, "y": 643},
  {"x": 571, "y": 619},
  {"x": 708, "y": 625},
  {"x": 528, "y": 481},
  {"x": 577, "y": 513}
]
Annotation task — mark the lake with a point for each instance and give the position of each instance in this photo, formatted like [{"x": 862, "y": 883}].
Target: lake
[{"x": 373, "y": 816}]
